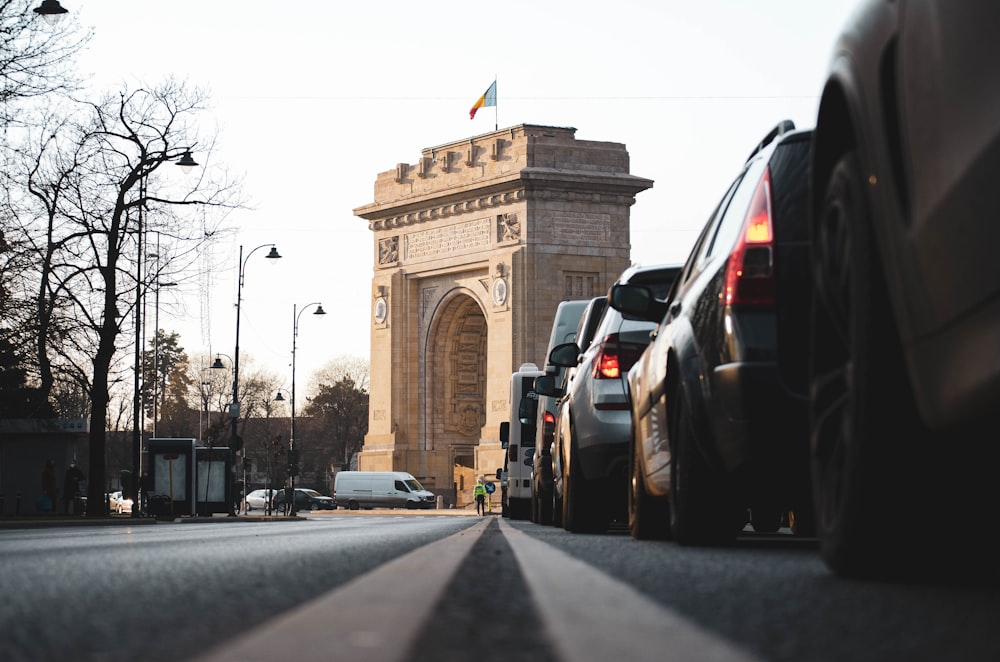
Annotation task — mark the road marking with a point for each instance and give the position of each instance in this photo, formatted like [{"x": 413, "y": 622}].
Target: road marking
[
  {"x": 587, "y": 615},
  {"x": 371, "y": 618},
  {"x": 590, "y": 616}
]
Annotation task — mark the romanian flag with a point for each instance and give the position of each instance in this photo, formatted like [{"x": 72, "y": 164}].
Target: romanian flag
[{"x": 489, "y": 98}]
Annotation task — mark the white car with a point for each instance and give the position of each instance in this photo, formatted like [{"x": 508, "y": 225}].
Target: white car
[
  {"x": 119, "y": 503},
  {"x": 258, "y": 499}
]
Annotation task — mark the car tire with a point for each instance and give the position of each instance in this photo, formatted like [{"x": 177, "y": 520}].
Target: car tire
[
  {"x": 581, "y": 511},
  {"x": 865, "y": 447},
  {"x": 648, "y": 516},
  {"x": 701, "y": 511},
  {"x": 353, "y": 505}
]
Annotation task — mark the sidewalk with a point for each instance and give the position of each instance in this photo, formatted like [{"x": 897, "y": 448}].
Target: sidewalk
[{"x": 45, "y": 521}]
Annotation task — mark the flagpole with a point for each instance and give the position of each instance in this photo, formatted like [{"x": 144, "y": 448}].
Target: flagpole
[{"x": 496, "y": 105}]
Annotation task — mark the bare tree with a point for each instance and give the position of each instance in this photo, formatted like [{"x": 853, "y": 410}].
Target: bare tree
[
  {"x": 358, "y": 369},
  {"x": 101, "y": 188}
]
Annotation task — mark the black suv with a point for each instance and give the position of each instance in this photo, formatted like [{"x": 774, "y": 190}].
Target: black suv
[{"x": 719, "y": 409}]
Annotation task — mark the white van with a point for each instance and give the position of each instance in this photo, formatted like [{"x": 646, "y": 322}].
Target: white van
[
  {"x": 380, "y": 489},
  {"x": 518, "y": 436}
]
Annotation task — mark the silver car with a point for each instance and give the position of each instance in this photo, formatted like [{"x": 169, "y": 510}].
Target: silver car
[{"x": 595, "y": 424}]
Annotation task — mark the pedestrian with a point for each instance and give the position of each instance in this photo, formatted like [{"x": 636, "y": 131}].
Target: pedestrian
[
  {"x": 47, "y": 501},
  {"x": 479, "y": 492},
  {"x": 71, "y": 488}
]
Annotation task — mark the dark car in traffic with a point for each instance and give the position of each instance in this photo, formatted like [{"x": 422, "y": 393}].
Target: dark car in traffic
[
  {"x": 305, "y": 499},
  {"x": 718, "y": 399},
  {"x": 905, "y": 361}
]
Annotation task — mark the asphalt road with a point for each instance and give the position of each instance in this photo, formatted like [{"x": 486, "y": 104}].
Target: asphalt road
[{"x": 429, "y": 586}]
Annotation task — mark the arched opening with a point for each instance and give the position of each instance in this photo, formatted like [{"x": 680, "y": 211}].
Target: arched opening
[{"x": 455, "y": 383}]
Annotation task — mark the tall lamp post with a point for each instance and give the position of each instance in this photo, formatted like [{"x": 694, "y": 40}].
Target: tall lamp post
[
  {"x": 186, "y": 162},
  {"x": 293, "y": 453},
  {"x": 235, "y": 443}
]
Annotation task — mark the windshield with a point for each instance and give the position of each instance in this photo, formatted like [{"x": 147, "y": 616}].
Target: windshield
[
  {"x": 413, "y": 485},
  {"x": 310, "y": 492}
]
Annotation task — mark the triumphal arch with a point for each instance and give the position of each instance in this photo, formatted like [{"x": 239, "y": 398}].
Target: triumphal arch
[{"x": 474, "y": 246}]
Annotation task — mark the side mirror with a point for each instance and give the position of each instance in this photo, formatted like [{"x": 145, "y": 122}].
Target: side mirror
[
  {"x": 565, "y": 355},
  {"x": 499, "y": 473},
  {"x": 546, "y": 385},
  {"x": 636, "y": 302},
  {"x": 504, "y": 434}
]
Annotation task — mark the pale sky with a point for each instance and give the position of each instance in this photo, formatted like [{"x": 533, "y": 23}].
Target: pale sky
[{"x": 313, "y": 99}]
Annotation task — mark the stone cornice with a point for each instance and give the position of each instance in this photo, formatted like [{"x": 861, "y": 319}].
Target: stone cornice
[{"x": 529, "y": 183}]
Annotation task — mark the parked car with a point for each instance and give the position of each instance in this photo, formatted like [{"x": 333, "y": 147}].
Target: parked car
[
  {"x": 257, "y": 499},
  {"x": 585, "y": 330},
  {"x": 305, "y": 499},
  {"x": 119, "y": 503},
  {"x": 595, "y": 424},
  {"x": 718, "y": 399},
  {"x": 564, "y": 326},
  {"x": 905, "y": 365}
]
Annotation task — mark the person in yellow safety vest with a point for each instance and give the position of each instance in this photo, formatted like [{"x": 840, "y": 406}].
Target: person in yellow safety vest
[{"x": 479, "y": 492}]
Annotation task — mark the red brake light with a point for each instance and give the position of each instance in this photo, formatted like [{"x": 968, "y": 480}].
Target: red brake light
[
  {"x": 615, "y": 358},
  {"x": 750, "y": 271},
  {"x": 548, "y": 429}
]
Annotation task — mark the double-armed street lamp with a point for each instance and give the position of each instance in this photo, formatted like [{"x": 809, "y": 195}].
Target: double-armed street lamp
[
  {"x": 235, "y": 443},
  {"x": 293, "y": 454}
]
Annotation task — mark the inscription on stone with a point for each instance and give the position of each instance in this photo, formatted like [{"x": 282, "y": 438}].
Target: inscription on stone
[
  {"x": 587, "y": 226},
  {"x": 450, "y": 240}
]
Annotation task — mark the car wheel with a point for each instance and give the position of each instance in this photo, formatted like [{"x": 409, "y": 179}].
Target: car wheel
[
  {"x": 864, "y": 445},
  {"x": 700, "y": 508},
  {"x": 648, "y": 516},
  {"x": 353, "y": 505},
  {"x": 118, "y": 509},
  {"x": 581, "y": 511},
  {"x": 534, "y": 504}
]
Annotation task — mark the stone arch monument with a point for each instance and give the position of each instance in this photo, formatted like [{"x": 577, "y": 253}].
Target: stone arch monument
[{"x": 475, "y": 245}]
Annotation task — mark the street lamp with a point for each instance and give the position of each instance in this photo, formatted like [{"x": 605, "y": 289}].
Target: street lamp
[
  {"x": 52, "y": 7},
  {"x": 51, "y": 11},
  {"x": 293, "y": 454},
  {"x": 234, "y": 408}
]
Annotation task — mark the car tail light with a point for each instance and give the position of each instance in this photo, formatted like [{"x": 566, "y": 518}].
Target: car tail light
[
  {"x": 548, "y": 430},
  {"x": 614, "y": 358},
  {"x": 750, "y": 271}
]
